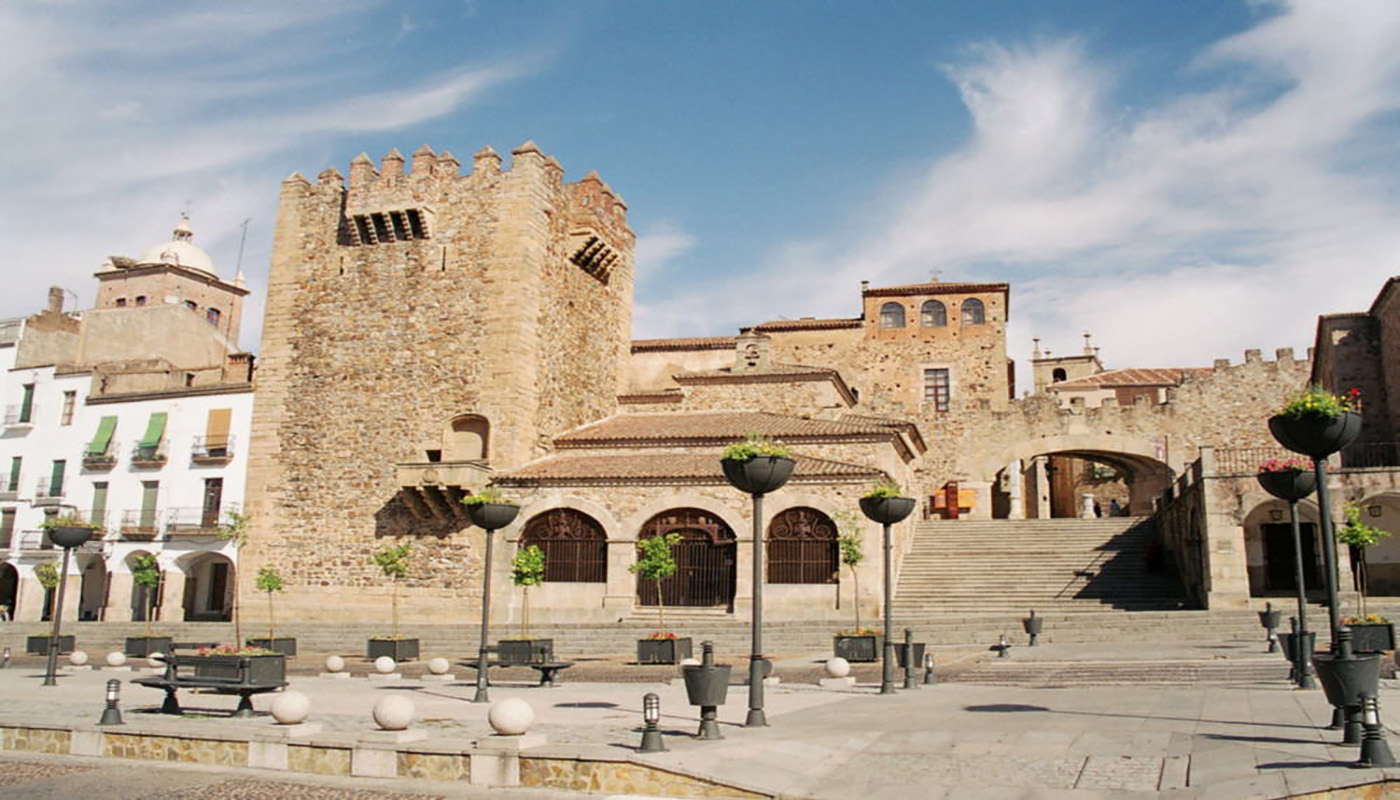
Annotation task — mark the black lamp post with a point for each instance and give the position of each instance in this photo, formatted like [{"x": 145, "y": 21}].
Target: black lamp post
[
  {"x": 757, "y": 476},
  {"x": 67, "y": 537},
  {"x": 491, "y": 517},
  {"x": 1292, "y": 486},
  {"x": 887, "y": 511}
]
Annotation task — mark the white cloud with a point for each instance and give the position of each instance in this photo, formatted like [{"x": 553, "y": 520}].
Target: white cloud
[
  {"x": 1220, "y": 219},
  {"x": 659, "y": 244}
]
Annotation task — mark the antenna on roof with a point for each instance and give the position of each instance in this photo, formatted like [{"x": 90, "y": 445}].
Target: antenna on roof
[{"x": 241, "y": 240}]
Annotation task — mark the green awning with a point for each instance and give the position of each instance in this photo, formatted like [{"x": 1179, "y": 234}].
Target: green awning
[
  {"x": 103, "y": 439},
  {"x": 154, "y": 430}
]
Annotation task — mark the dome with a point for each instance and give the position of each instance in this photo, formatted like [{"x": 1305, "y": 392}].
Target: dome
[{"x": 180, "y": 250}]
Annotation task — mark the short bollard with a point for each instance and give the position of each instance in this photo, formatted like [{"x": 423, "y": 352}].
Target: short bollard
[
  {"x": 909, "y": 663},
  {"x": 1269, "y": 618},
  {"x": 929, "y": 678},
  {"x": 1032, "y": 626},
  {"x": 112, "y": 715},
  {"x": 707, "y": 686},
  {"x": 1375, "y": 752},
  {"x": 1003, "y": 647},
  {"x": 651, "y": 715},
  {"x": 5, "y": 659}
]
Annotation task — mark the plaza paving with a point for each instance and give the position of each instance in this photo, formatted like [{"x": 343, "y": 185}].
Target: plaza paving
[{"x": 1245, "y": 738}]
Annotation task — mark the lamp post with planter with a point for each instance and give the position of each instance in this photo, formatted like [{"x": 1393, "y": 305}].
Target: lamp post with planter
[
  {"x": 757, "y": 467},
  {"x": 884, "y": 505},
  {"x": 67, "y": 534},
  {"x": 1289, "y": 480},
  {"x": 488, "y": 510}
]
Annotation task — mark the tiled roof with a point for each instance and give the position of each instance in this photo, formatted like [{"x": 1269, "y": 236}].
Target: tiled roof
[
  {"x": 698, "y": 343},
  {"x": 807, "y": 324},
  {"x": 907, "y": 427},
  {"x": 792, "y": 370},
  {"x": 718, "y": 428},
  {"x": 651, "y": 396},
  {"x": 697, "y": 468},
  {"x": 936, "y": 288},
  {"x": 1132, "y": 376}
]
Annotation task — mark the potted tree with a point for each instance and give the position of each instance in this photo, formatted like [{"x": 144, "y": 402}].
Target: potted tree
[
  {"x": 657, "y": 562},
  {"x": 858, "y": 643},
  {"x": 47, "y": 575},
  {"x": 1369, "y": 632},
  {"x": 270, "y": 581},
  {"x": 527, "y": 569},
  {"x": 393, "y": 561},
  {"x": 757, "y": 466},
  {"x": 234, "y": 530},
  {"x": 1318, "y": 423},
  {"x": 145, "y": 572}
]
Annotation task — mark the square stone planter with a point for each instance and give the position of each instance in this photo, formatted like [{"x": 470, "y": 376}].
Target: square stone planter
[
  {"x": 513, "y": 652},
  {"x": 39, "y": 645},
  {"x": 397, "y": 649},
  {"x": 857, "y": 648},
  {"x": 1372, "y": 638},
  {"x": 662, "y": 651},
  {"x": 142, "y": 646},
  {"x": 243, "y": 669},
  {"x": 285, "y": 645}
]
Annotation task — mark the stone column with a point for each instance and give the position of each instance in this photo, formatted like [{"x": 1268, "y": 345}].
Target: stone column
[
  {"x": 1086, "y": 506},
  {"x": 72, "y": 596},
  {"x": 621, "y": 592},
  {"x": 1015, "y": 488},
  {"x": 172, "y": 604},
  {"x": 119, "y": 597},
  {"x": 29, "y": 598}
]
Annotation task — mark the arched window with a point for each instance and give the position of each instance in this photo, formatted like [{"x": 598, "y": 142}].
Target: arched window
[
  {"x": 468, "y": 439},
  {"x": 802, "y": 547},
  {"x": 933, "y": 315},
  {"x": 574, "y": 544},
  {"x": 972, "y": 312},
  {"x": 705, "y": 560},
  {"x": 891, "y": 315},
  {"x": 1057, "y": 375}
]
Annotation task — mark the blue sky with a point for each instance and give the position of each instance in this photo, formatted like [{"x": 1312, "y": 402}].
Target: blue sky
[{"x": 1185, "y": 180}]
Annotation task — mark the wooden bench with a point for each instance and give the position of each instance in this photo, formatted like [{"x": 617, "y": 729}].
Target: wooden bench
[
  {"x": 172, "y": 681},
  {"x": 548, "y": 670}
]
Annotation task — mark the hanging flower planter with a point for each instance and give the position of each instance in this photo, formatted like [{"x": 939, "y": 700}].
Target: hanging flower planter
[
  {"x": 887, "y": 510},
  {"x": 492, "y": 516},
  {"x": 1291, "y": 479},
  {"x": 758, "y": 475}
]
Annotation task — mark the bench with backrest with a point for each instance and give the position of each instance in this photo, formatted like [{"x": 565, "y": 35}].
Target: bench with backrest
[
  {"x": 180, "y": 673},
  {"x": 548, "y": 670}
]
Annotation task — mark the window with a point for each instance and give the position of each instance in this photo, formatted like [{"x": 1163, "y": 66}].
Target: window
[
  {"x": 121, "y": 302},
  {"x": 891, "y": 315},
  {"x": 937, "y": 389},
  {"x": 973, "y": 313},
  {"x": 150, "y": 491},
  {"x": 7, "y": 527},
  {"x": 70, "y": 399},
  {"x": 934, "y": 315},
  {"x": 140, "y": 299},
  {"x": 213, "y": 502},
  {"x": 99, "y": 503},
  {"x": 191, "y": 305},
  {"x": 1057, "y": 375},
  {"x": 574, "y": 544},
  {"x": 26, "y": 405},
  {"x": 14, "y": 474},
  {"x": 212, "y": 316},
  {"x": 802, "y": 547},
  {"x": 56, "y": 478}
]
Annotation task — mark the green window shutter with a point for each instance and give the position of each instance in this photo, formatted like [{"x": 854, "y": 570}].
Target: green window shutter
[
  {"x": 56, "y": 478},
  {"x": 99, "y": 503},
  {"x": 26, "y": 406},
  {"x": 14, "y": 474},
  {"x": 150, "y": 490},
  {"x": 155, "y": 429},
  {"x": 103, "y": 439}
]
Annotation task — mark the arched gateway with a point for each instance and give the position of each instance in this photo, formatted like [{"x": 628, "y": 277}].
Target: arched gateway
[{"x": 705, "y": 556}]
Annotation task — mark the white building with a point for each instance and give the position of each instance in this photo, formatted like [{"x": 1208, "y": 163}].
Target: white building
[{"x": 134, "y": 414}]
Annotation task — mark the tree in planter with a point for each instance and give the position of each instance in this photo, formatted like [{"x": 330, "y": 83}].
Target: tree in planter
[
  {"x": 47, "y": 575},
  {"x": 269, "y": 580},
  {"x": 235, "y": 531},
  {"x": 852, "y": 554},
  {"x": 527, "y": 569},
  {"x": 1359, "y": 536},
  {"x": 145, "y": 572},
  {"x": 656, "y": 563},
  {"x": 393, "y": 562}
]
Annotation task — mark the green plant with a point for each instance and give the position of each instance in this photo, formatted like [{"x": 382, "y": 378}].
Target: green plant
[
  {"x": 754, "y": 446},
  {"x": 656, "y": 563},
  {"x": 47, "y": 573},
  {"x": 1359, "y": 536},
  {"x": 1293, "y": 464},
  {"x": 526, "y": 570},
  {"x": 70, "y": 520},
  {"x": 1369, "y": 619},
  {"x": 145, "y": 572},
  {"x": 1315, "y": 401},
  {"x": 234, "y": 530},
  {"x": 883, "y": 488},
  {"x": 269, "y": 580},
  {"x": 848, "y": 539},
  {"x": 393, "y": 562},
  {"x": 490, "y": 494}
]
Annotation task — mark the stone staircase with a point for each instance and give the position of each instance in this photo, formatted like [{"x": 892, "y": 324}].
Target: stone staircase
[{"x": 999, "y": 566}]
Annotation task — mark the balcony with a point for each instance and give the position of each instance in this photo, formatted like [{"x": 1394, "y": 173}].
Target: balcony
[
  {"x": 140, "y": 525},
  {"x": 19, "y": 416},
  {"x": 434, "y": 489},
  {"x": 100, "y": 461},
  {"x": 31, "y": 542},
  {"x": 9, "y": 490},
  {"x": 217, "y": 451},
  {"x": 46, "y": 494},
  {"x": 148, "y": 456},
  {"x": 191, "y": 523}
]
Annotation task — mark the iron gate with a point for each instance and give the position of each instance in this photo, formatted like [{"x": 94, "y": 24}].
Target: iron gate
[{"x": 705, "y": 561}]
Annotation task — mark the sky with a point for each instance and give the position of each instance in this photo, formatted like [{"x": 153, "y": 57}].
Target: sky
[{"x": 1184, "y": 180}]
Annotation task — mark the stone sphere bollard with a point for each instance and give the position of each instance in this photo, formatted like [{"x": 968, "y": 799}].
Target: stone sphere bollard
[
  {"x": 438, "y": 666},
  {"x": 384, "y": 665},
  {"x": 155, "y": 659},
  {"x": 837, "y": 667},
  {"x": 291, "y": 708},
  {"x": 116, "y": 658},
  {"x": 77, "y": 658},
  {"x": 334, "y": 663},
  {"x": 394, "y": 712},
  {"x": 511, "y": 717}
]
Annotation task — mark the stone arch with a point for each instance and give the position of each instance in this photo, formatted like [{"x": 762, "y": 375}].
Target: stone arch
[
  {"x": 209, "y": 581},
  {"x": 739, "y": 523},
  {"x": 933, "y": 314},
  {"x": 611, "y": 527},
  {"x": 1382, "y": 510},
  {"x": 1141, "y": 462},
  {"x": 145, "y": 601},
  {"x": 575, "y": 545},
  {"x": 467, "y": 437},
  {"x": 1268, "y": 544},
  {"x": 94, "y": 586},
  {"x": 706, "y": 557},
  {"x": 800, "y": 547},
  {"x": 9, "y": 590},
  {"x": 973, "y": 312},
  {"x": 891, "y": 315}
]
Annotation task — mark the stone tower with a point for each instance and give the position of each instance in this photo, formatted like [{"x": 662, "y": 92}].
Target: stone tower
[{"x": 424, "y": 329}]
